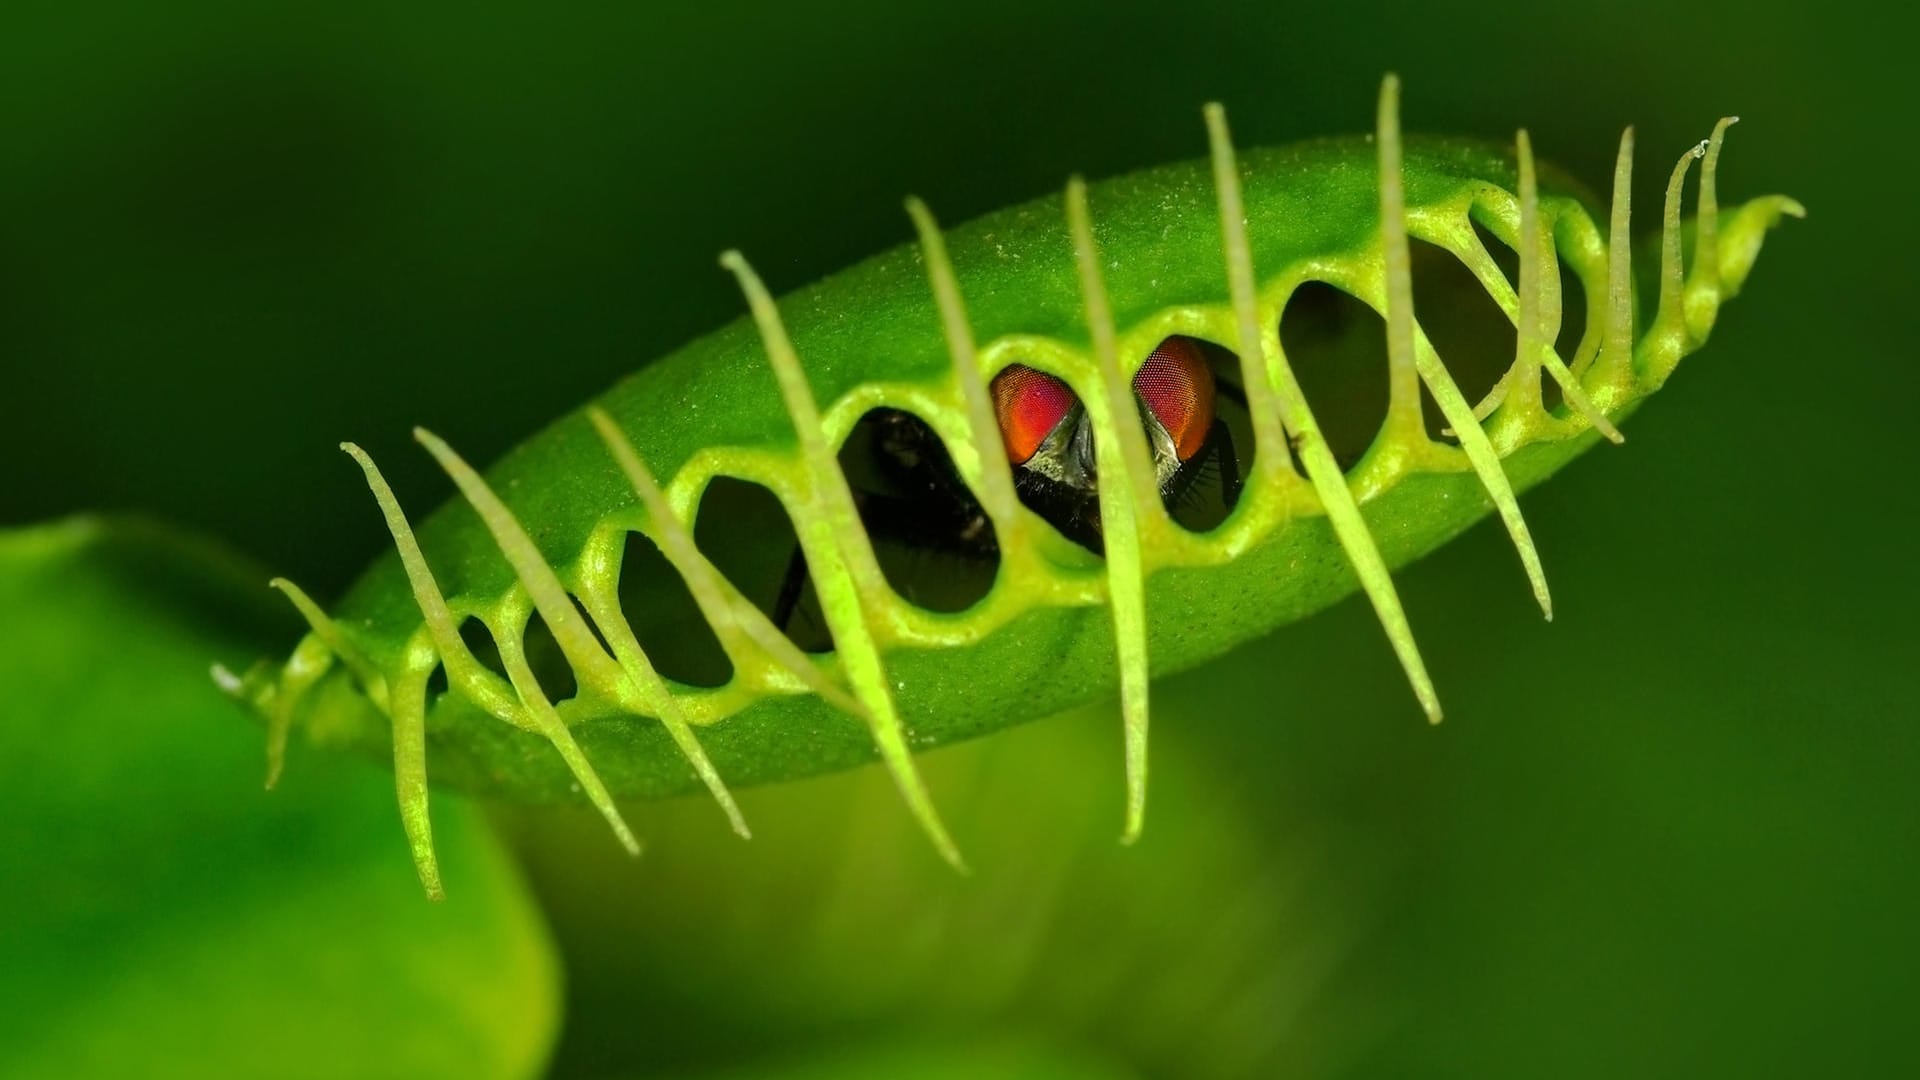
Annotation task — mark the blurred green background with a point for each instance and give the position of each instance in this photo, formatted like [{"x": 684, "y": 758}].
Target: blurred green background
[{"x": 1671, "y": 833}]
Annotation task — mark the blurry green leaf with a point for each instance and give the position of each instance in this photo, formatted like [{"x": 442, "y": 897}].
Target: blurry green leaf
[{"x": 160, "y": 914}]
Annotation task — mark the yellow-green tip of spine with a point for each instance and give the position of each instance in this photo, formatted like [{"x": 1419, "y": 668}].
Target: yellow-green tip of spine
[
  {"x": 1271, "y": 457},
  {"x": 997, "y": 497},
  {"x": 828, "y": 525},
  {"x": 410, "y": 777},
  {"x": 1120, "y": 450},
  {"x": 1702, "y": 300},
  {"x": 1523, "y": 379},
  {"x": 1616, "y": 346},
  {"x": 1666, "y": 339},
  {"x": 303, "y": 671},
  {"x": 409, "y": 705},
  {"x": 1403, "y": 421},
  {"x": 1343, "y": 513},
  {"x": 328, "y": 632}
]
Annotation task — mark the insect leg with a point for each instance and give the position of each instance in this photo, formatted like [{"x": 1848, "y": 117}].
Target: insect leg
[
  {"x": 1222, "y": 442},
  {"x": 790, "y": 587}
]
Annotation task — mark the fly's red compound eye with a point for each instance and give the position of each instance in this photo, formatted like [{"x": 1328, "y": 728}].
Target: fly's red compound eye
[
  {"x": 1029, "y": 404},
  {"x": 1176, "y": 382}
]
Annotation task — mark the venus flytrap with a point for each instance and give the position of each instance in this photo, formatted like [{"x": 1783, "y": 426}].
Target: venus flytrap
[{"x": 1082, "y": 290}]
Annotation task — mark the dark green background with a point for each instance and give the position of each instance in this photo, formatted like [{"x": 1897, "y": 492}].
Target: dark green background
[{"x": 1670, "y": 834}]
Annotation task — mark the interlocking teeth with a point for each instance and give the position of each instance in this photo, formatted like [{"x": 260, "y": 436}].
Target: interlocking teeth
[
  {"x": 1283, "y": 391},
  {"x": 1540, "y": 310},
  {"x": 1407, "y": 347},
  {"x": 740, "y": 627},
  {"x": 520, "y": 703},
  {"x": 632, "y": 677}
]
